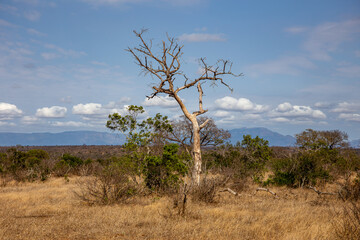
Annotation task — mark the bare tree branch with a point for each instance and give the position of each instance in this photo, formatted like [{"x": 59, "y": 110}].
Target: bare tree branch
[
  {"x": 321, "y": 193},
  {"x": 267, "y": 190}
]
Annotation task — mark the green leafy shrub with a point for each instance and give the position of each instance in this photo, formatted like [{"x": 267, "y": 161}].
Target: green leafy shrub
[
  {"x": 164, "y": 172},
  {"x": 71, "y": 161},
  {"x": 26, "y": 165},
  {"x": 67, "y": 164},
  {"x": 3, "y": 162},
  {"x": 299, "y": 170},
  {"x": 255, "y": 153}
]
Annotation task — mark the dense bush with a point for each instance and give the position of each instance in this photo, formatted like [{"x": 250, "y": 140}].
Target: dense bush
[
  {"x": 21, "y": 165},
  {"x": 70, "y": 164},
  {"x": 3, "y": 160},
  {"x": 299, "y": 170},
  {"x": 245, "y": 159},
  {"x": 165, "y": 172}
]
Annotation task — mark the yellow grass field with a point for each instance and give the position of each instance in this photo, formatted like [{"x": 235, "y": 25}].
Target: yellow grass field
[{"x": 51, "y": 210}]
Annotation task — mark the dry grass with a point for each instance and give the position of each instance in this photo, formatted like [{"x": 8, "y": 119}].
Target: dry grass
[{"x": 50, "y": 210}]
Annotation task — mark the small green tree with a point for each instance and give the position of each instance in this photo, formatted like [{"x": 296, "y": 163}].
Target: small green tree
[
  {"x": 315, "y": 140},
  {"x": 138, "y": 134},
  {"x": 319, "y": 152},
  {"x": 164, "y": 172},
  {"x": 301, "y": 169},
  {"x": 3, "y": 162},
  {"x": 72, "y": 161},
  {"x": 256, "y": 153},
  {"x": 26, "y": 165}
]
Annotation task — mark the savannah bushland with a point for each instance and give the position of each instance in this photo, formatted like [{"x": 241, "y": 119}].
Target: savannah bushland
[{"x": 247, "y": 191}]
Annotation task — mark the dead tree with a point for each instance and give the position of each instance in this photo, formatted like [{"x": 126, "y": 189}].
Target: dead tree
[
  {"x": 165, "y": 67},
  {"x": 210, "y": 135}
]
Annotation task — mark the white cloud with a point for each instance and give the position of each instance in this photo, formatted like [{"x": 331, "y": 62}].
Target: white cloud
[
  {"x": 70, "y": 124},
  {"x": 323, "y": 104},
  {"x": 286, "y": 110},
  {"x": 350, "y": 117},
  {"x": 88, "y": 109},
  {"x": 95, "y": 111},
  {"x": 227, "y": 120},
  {"x": 29, "y": 120},
  {"x": 284, "y": 107},
  {"x": 346, "y": 107},
  {"x": 280, "y": 119},
  {"x": 327, "y": 37},
  {"x": 9, "y": 111},
  {"x": 241, "y": 104},
  {"x": 202, "y": 37},
  {"x": 51, "y": 112},
  {"x": 125, "y": 100},
  {"x": 7, "y": 124},
  {"x": 160, "y": 101},
  {"x": 251, "y": 116},
  {"x": 221, "y": 113}
]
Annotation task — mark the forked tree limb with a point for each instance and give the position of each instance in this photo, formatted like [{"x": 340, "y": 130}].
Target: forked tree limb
[
  {"x": 267, "y": 190},
  {"x": 321, "y": 193},
  {"x": 230, "y": 191}
]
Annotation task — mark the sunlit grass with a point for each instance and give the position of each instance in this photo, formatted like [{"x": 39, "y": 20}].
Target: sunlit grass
[{"x": 51, "y": 210}]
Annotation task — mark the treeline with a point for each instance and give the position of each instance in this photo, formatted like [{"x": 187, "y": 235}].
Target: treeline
[{"x": 319, "y": 157}]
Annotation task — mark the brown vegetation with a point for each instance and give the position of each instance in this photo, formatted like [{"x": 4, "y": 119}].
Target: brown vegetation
[
  {"x": 51, "y": 210},
  {"x": 247, "y": 191}
]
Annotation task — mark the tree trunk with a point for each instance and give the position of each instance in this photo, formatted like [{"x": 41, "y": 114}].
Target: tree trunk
[{"x": 196, "y": 152}]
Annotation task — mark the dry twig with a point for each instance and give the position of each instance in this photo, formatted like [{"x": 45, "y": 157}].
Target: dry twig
[
  {"x": 230, "y": 191},
  {"x": 267, "y": 190},
  {"x": 321, "y": 193}
]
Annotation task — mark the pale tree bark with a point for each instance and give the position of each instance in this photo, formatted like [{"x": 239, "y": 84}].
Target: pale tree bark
[{"x": 165, "y": 68}]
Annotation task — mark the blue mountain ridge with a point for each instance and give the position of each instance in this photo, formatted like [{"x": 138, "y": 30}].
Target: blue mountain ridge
[
  {"x": 274, "y": 138},
  {"x": 106, "y": 138},
  {"x": 63, "y": 138}
]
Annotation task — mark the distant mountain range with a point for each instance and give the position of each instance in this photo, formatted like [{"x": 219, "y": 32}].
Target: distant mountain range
[
  {"x": 63, "y": 138},
  {"x": 104, "y": 138},
  {"x": 274, "y": 138}
]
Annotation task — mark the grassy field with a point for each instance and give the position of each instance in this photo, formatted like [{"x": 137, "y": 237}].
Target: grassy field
[{"x": 51, "y": 210}]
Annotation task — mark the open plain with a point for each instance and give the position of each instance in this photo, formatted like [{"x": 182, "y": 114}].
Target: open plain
[{"x": 51, "y": 210}]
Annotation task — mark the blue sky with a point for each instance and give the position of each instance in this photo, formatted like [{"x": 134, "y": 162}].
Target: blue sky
[{"x": 63, "y": 64}]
